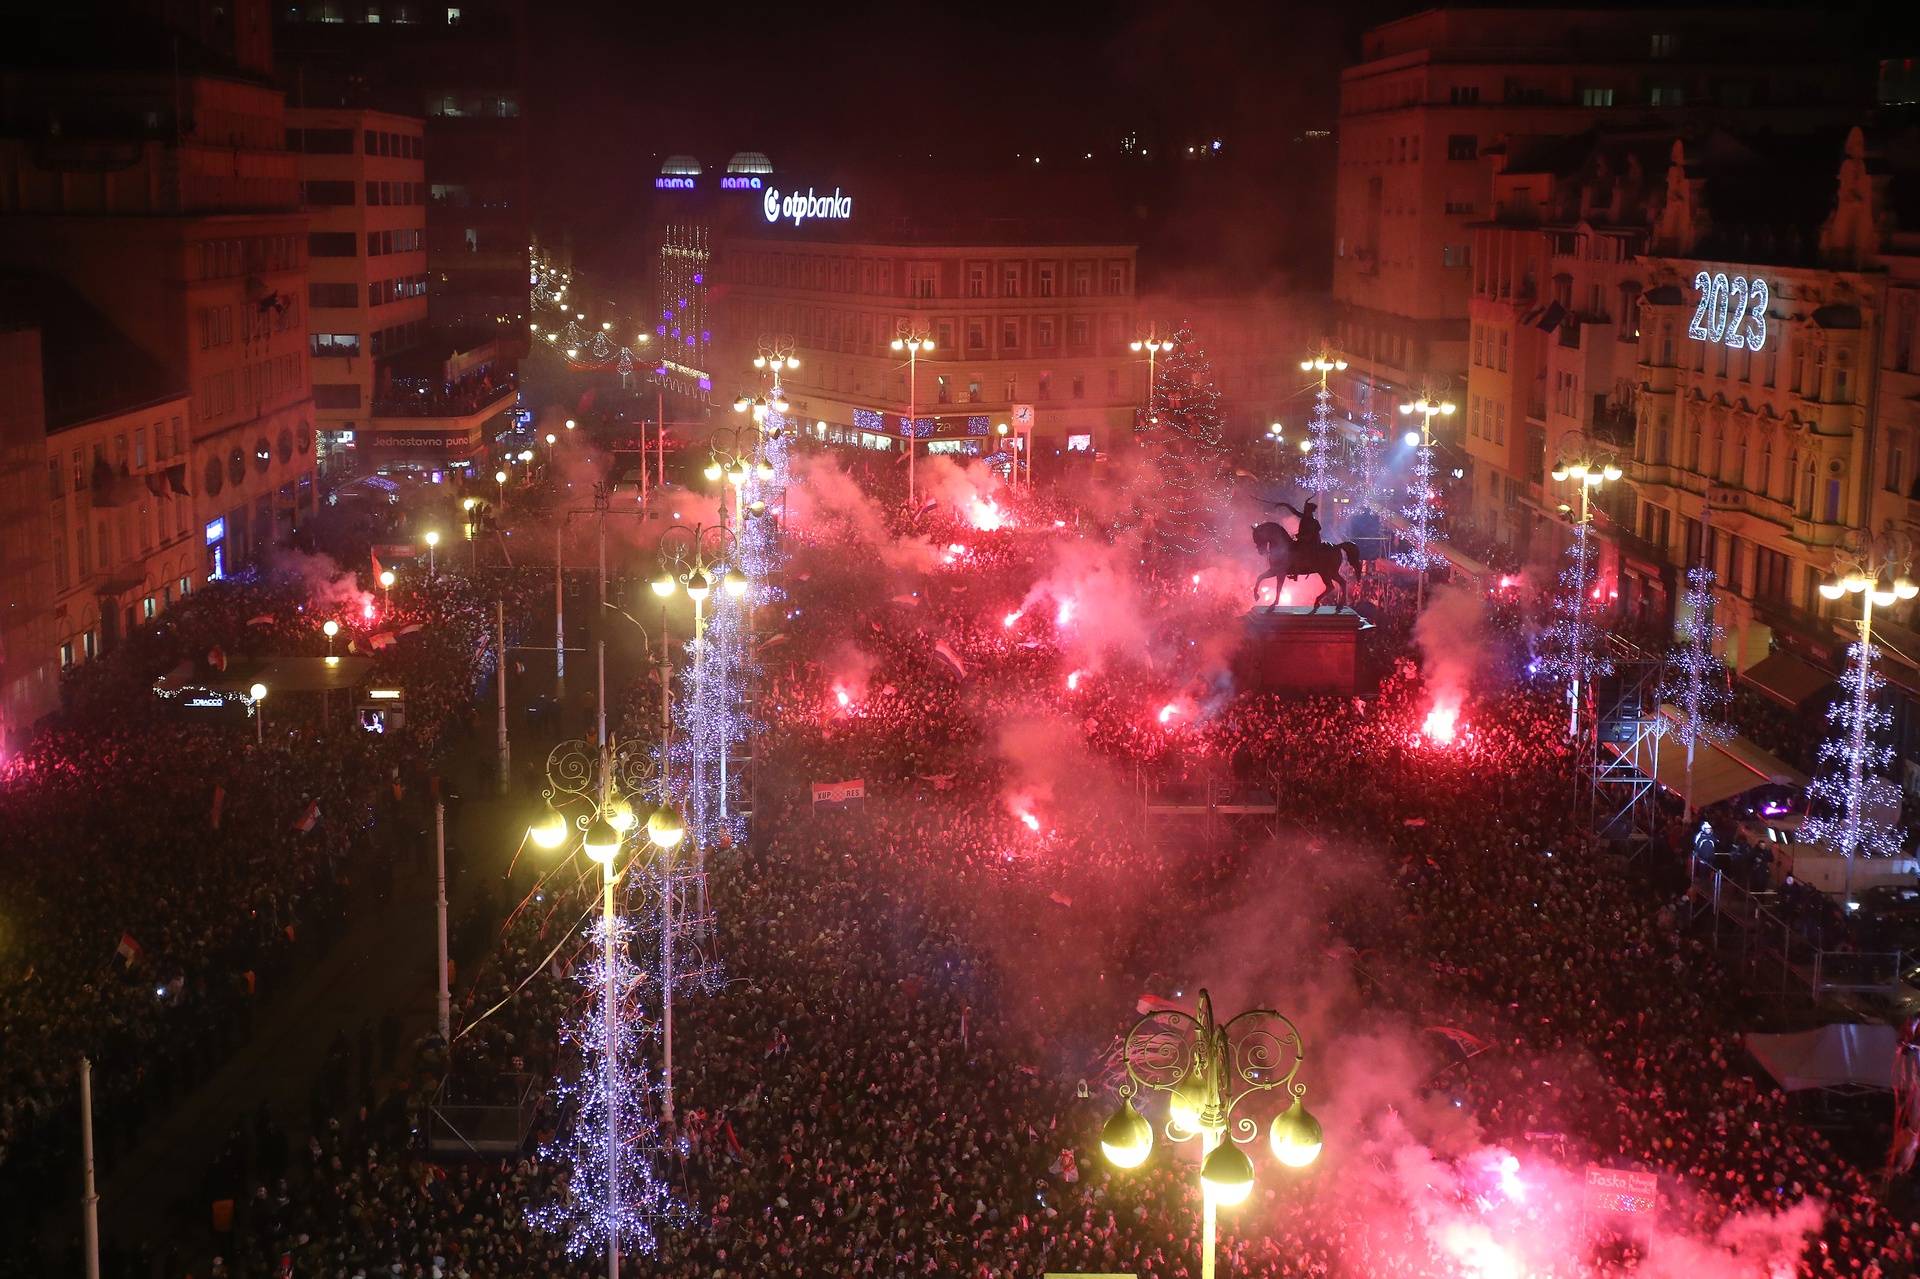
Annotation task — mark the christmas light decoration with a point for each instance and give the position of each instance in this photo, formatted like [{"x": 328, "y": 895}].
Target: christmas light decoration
[
  {"x": 1370, "y": 438},
  {"x": 1571, "y": 648},
  {"x": 1851, "y": 795},
  {"x": 614, "y": 1198},
  {"x": 1321, "y": 469},
  {"x": 1422, "y": 509},
  {"x": 1695, "y": 682},
  {"x": 1187, "y": 445}
]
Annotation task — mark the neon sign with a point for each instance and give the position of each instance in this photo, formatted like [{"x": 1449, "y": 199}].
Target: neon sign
[
  {"x": 216, "y": 530},
  {"x": 1731, "y": 312},
  {"x": 797, "y": 208},
  {"x": 673, "y": 184},
  {"x": 737, "y": 183}
]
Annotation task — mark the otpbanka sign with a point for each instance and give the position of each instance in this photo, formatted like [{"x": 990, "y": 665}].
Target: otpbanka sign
[{"x": 796, "y": 207}]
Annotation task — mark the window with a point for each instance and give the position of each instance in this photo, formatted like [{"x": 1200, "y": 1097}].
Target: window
[
  {"x": 55, "y": 477},
  {"x": 976, "y": 335},
  {"x": 453, "y": 16},
  {"x": 1079, "y": 386},
  {"x": 1463, "y": 146},
  {"x": 321, "y": 141},
  {"x": 1664, "y": 45},
  {"x": 327, "y": 194},
  {"x": 1043, "y": 331},
  {"x": 1044, "y": 277},
  {"x": 66, "y": 655},
  {"x": 334, "y": 344},
  {"x": 943, "y": 390},
  {"x": 331, "y": 295},
  {"x": 1463, "y": 95},
  {"x": 1009, "y": 335},
  {"x": 1113, "y": 384},
  {"x": 147, "y": 609},
  {"x": 1666, "y": 95},
  {"x": 1455, "y": 254},
  {"x": 331, "y": 244},
  {"x": 140, "y": 449},
  {"x": 1082, "y": 279},
  {"x": 1077, "y": 331},
  {"x": 1503, "y": 351},
  {"x": 1116, "y": 278},
  {"x": 1045, "y": 390},
  {"x": 1596, "y": 97},
  {"x": 976, "y": 280}
]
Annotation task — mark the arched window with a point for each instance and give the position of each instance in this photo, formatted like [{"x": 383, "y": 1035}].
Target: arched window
[
  {"x": 1766, "y": 466},
  {"x": 1806, "y": 491}
]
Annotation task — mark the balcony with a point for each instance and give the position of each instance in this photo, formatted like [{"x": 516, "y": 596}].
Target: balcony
[
  {"x": 1725, "y": 497},
  {"x": 477, "y": 400}
]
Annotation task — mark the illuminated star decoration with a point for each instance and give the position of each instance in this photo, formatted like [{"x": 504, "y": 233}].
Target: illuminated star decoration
[
  {"x": 1851, "y": 797},
  {"x": 1695, "y": 682},
  {"x": 605, "y": 1139}
]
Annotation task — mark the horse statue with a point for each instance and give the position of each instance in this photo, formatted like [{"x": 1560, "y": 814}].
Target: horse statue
[{"x": 1288, "y": 558}]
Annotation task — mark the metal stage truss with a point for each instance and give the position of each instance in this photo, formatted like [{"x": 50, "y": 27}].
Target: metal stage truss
[{"x": 1621, "y": 797}]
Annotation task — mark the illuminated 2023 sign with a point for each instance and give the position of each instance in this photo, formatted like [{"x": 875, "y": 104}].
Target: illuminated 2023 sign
[{"x": 1731, "y": 312}]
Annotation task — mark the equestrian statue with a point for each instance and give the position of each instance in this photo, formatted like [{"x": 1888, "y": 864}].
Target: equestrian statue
[{"x": 1302, "y": 555}]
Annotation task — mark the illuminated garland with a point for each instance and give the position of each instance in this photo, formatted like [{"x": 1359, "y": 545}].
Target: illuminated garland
[
  {"x": 1321, "y": 472},
  {"x": 1422, "y": 515},
  {"x": 1572, "y": 649},
  {"x": 1853, "y": 763},
  {"x": 1188, "y": 448},
  {"x": 1366, "y": 463},
  {"x": 1695, "y": 682},
  {"x": 606, "y": 1138}
]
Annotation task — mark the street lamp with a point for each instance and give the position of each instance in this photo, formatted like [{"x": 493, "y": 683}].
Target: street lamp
[
  {"x": 433, "y": 540},
  {"x": 386, "y": 586},
  {"x": 696, "y": 559},
  {"x": 1320, "y": 427},
  {"x": 1589, "y": 474},
  {"x": 258, "y": 693},
  {"x": 1207, "y": 1069},
  {"x": 588, "y": 790},
  {"x": 1428, "y": 409},
  {"x": 1850, "y": 832},
  {"x": 1152, "y": 344},
  {"x": 913, "y": 339}
]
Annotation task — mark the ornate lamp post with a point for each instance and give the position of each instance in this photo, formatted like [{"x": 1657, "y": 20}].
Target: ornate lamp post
[
  {"x": 1420, "y": 514},
  {"x": 1152, "y": 344},
  {"x": 912, "y": 339},
  {"x": 1207, "y": 1069},
  {"x": 1319, "y": 444},
  {"x": 590, "y": 795},
  {"x": 1589, "y": 470},
  {"x": 1846, "y": 819}
]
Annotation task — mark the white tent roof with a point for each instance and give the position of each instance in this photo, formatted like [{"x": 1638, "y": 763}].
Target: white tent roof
[{"x": 1849, "y": 1055}]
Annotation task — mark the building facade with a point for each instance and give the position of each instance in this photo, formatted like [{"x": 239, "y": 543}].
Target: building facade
[
  {"x": 192, "y": 243},
  {"x": 363, "y": 180},
  {"x": 1040, "y": 324},
  {"x": 1436, "y": 95},
  {"x": 462, "y": 68}
]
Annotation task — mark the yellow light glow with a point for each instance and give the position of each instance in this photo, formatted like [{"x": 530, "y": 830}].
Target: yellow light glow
[
  {"x": 550, "y": 831},
  {"x": 698, "y": 587},
  {"x": 333, "y": 659},
  {"x": 663, "y": 585},
  {"x": 384, "y": 694},
  {"x": 386, "y": 577},
  {"x": 499, "y": 477},
  {"x": 714, "y": 471},
  {"x": 329, "y": 628},
  {"x": 664, "y": 828},
  {"x": 1296, "y": 1137},
  {"x": 433, "y": 537},
  {"x": 258, "y": 692},
  {"x": 602, "y": 841},
  {"x": 1185, "y": 1103},
  {"x": 620, "y": 814},
  {"x": 1127, "y": 1138},
  {"x": 1832, "y": 590},
  {"x": 734, "y": 584},
  {"x": 1227, "y": 1175}
]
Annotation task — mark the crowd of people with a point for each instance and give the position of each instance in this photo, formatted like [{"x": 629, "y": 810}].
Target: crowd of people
[{"x": 913, "y": 1039}]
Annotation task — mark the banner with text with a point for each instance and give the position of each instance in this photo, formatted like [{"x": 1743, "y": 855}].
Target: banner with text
[{"x": 839, "y": 794}]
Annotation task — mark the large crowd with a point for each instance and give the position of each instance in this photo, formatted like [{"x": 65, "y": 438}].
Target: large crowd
[{"x": 905, "y": 1065}]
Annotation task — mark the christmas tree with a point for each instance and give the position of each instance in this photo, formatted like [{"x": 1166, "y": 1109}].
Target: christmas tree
[{"x": 1186, "y": 443}]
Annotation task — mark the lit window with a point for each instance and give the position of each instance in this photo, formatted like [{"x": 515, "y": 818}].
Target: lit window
[
  {"x": 66, "y": 656},
  {"x": 453, "y": 16}
]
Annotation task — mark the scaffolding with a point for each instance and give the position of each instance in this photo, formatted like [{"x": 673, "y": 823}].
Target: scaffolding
[{"x": 1621, "y": 799}]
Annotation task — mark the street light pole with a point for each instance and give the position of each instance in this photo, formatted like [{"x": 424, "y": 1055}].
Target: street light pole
[
  {"x": 89, "y": 1194},
  {"x": 443, "y": 1000},
  {"x": 1589, "y": 475},
  {"x": 1428, "y": 409},
  {"x": 500, "y": 690},
  {"x": 1152, "y": 344},
  {"x": 1207, "y": 1069},
  {"x": 913, "y": 340}
]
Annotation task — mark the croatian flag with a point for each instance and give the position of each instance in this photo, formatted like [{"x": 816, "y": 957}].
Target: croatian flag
[
  {"x": 128, "y": 950},
  {"x": 309, "y": 817},
  {"x": 840, "y": 794}
]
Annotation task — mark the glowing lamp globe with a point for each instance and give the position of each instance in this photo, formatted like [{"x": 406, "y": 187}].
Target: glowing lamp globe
[
  {"x": 433, "y": 538},
  {"x": 602, "y": 842},
  {"x": 620, "y": 814},
  {"x": 764, "y": 471},
  {"x": 1296, "y": 1136},
  {"x": 1187, "y": 1102},
  {"x": 499, "y": 477},
  {"x": 665, "y": 830},
  {"x": 258, "y": 692},
  {"x": 737, "y": 476},
  {"x": 1412, "y": 438},
  {"x": 714, "y": 471},
  {"x": 663, "y": 585},
  {"x": 386, "y": 577},
  {"x": 1227, "y": 1175},
  {"x": 734, "y": 584},
  {"x": 698, "y": 587},
  {"x": 550, "y": 831},
  {"x": 330, "y": 628},
  {"x": 1127, "y": 1138}
]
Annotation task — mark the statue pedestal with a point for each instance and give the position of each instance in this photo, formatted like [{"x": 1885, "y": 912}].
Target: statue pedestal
[{"x": 1296, "y": 650}]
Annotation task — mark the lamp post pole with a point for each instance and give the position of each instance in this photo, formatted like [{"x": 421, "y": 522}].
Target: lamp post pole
[
  {"x": 500, "y": 691},
  {"x": 89, "y": 1193},
  {"x": 913, "y": 340},
  {"x": 559, "y": 609},
  {"x": 443, "y": 1000},
  {"x": 1589, "y": 474},
  {"x": 1152, "y": 344},
  {"x": 1207, "y": 1069},
  {"x": 1428, "y": 409}
]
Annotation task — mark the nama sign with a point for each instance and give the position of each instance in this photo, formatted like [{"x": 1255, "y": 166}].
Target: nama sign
[
  {"x": 796, "y": 207},
  {"x": 673, "y": 184}
]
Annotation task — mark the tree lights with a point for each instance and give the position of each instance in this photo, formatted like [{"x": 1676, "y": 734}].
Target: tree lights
[
  {"x": 1321, "y": 469},
  {"x": 1695, "y": 682},
  {"x": 1573, "y": 648},
  {"x": 1854, "y": 806},
  {"x": 1189, "y": 452},
  {"x": 1422, "y": 501}
]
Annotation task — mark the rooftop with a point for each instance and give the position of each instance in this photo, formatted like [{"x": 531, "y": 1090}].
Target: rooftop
[{"x": 90, "y": 369}]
